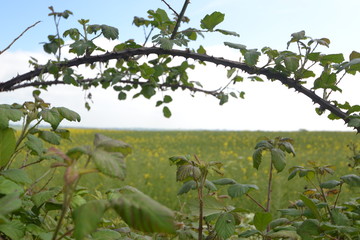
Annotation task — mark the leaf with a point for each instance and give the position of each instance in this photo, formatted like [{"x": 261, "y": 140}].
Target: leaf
[
  {"x": 330, "y": 184},
  {"x": 106, "y": 234},
  {"x": 224, "y": 181},
  {"x": 354, "y": 122},
  {"x": 201, "y": 50},
  {"x": 166, "y": 112},
  {"x": 69, "y": 114},
  {"x": 226, "y": 32},
  {"x": 50, "y": 137},
  {"x": 238, "y": 190},
  {"x": 148, "y": 91},
  {"x": 52, "y": 116},
  {"x": 311, "y": 205},
  {"x": 351, "y": 179},
  {"x": 16, "y": 175},
  {"x": 249, "y": 233},
  {"x": 257, "y": 157},
  {"x": 187, "y": 172},
  {"x": 252, "y": 57},
  {"x": 310, "y": 227},
  {"x": 142, "y": 213},
  {"x": 167, "y": 99},
  {"x": 288, "y": 147},
  {"x": 340, "y": 218},
  {"x": 9, "y": 203},
  {"x": 7, "y": 145},
  {"x": 261, "y": 220},
  {"x": 179, "y": 160},
  {"x": 210, "y": 21},
  {"x": 225, "y": 225},
  {"x": 278, "y": 222},
  {"x": 35, "y": 144},
  {"x": 110, "y": 163},
  {"x": 76, "y": 152},
  {"x": 235, "y": 45},
  {"x": 186, "y": 187},
  {"x": 44, "y": 196},
  {"x": 332, "y": 58},
  {"x": 291, "y": 63},
  {"x": 278, "y": 159},
  {"x": 87, "y": 217},
  {"x": 209, "y": 185},
  {"x": 109, "y": 32},
  {"x": 9, "y": 187},
  {"x": 111, "y": 145},
  {"x": 15, "y": 229},
  {"x": 284, "y": 234},
  {"x": 81, "y": 46}
]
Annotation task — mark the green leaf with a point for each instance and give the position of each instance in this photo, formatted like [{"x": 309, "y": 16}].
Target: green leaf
[
  {"x": 252, "y": 57},
  {"x": 122, "y": 95},
  {"x": 330, "y": 184},
  {"x": 166, "y": 112},
  {"x": 235, "y": 45},
  {"x": 230, "y": 72},
  {"x": 249, "y": 233},
  {"x": 284, "y": 234},
  {"x": 257, "y": 157},
  {"x": 311, "y": 205},
  {"x": 209, "y": 22},
  {"x": 16, "y": 175},
  {"x": 7, "y": 113},
  {"x": 9, "y": 203},
  {"x": 288, "y": 147},
  {"x": 278, "y": 159},
  {"x": 238, "y": 190},
  {"x": 291, "y": 63},
  {"x": 209, "y": 185},
  {"x": 68, "y": 114},
  {"x": 291, "y": 212},
  {"x": 226, "y": 32},
  {"x": 50, "y": 137},
  {"x": 81, "y": 46},
  {"x": 15, "y": 229},
  {"x": 186, "y": 187},
  {"x": 52, "y": 116},
  {"x": 87, "y": 217},
  {"x": 167, "y": 99},
  {"x": 106, "y": 234},
  {"x": 351, "y": 179},
  {"x": 224, "y": 181},
  {"x": 9, "y": 187},
  {"x": 224, "y": 98},
  {"x": 7, "y": 145},
  {"x": 148, "y": 91},
  {"x": 332, "y": 58},
  {"x": 142, "y": 213},
  {"x": 201, "y": 50},
  {"x": 44, "y": 196},
  {"x": 111, "y": 145},
  {"x": 340, "y": 218},
  {"x": 354, "y": 122},
  {"x": 110, "y": 163},
  {"x": 278, "y": 222},
  {"x": 225, "y": 225},
  {"x": 187, "y": 172},
  {"x": 310, "y": 227},
  {"x": 179, "y": 160},
  {"x": 35, "y": 144},
  {"x": 261, "y": 220},
  {"x": 109, "y": 32},
  {"x": 77, "y": 152}
]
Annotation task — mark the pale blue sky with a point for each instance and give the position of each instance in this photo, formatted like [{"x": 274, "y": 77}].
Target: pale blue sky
[{"x": 260, "y": 23}]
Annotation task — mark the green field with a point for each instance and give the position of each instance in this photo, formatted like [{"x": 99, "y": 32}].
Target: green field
[{"x": 149, "y": 169}]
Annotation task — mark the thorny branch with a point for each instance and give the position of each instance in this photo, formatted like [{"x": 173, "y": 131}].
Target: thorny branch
[
  {"x": 9, "y": 46},
  {"x": 126, "y": 54}
]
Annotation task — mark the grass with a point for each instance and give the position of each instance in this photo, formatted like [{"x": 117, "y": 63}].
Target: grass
[{"x": 148, "y": 167}]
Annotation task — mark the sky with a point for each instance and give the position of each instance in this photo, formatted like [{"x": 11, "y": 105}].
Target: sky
[{"x": 267, "y": 106}]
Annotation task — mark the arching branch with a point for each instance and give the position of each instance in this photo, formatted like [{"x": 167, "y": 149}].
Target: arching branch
[{"x": 126, "y": 54}]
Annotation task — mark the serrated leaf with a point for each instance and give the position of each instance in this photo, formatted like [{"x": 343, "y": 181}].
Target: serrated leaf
[
  {"x": 332, "y": 58},
  {"x": 225, "y": 225},
  {"x": 68, "y": 114},
  {"x": 278, "y": 222},
  {"x": 179, "y": 160},
  {"x": 291, "y": 63},
  {"x": 284, "y": 234},
  {"x": 110, "y": 163},
  {"x": 35, "y": 144},
  {"x": 148, "y": 91},
  {"x": 257, "y": 157},
  {"x": 278, "y": 159},
  {"x": 76, "y": 152},
  {"x": 142, "y": 213},
  {"x": 209, "y": 22},
  {"x": 109, "y": 32},
  {"x": 235, "y": 45},
  {"x": 106, "y": 234},
  {"x": 224, "y": 98},
  {"x": 9, "y": 203},
  {"x": 249, "y": 233},
  {"x": 308, "y": 228},
  {"x": 351, "y": 179},
  {"x": 354, "y": 122},
  {"x": 252, "y": 57},
  {"x": 7, "y": 145},
  {"x": 261, "y": 220},
  {"x": 17, "y": 176},
  {"x": 330, "y": 184},
  {"x": 209, "y": 185},
  {"x": 44, "y": 196},
  {"x": 224, "y": 181},
  {"x": 52, "y": 116},
  {"x": 15, "y": 229},
  {"x": 87, "y": 217},
  {"x": 186, "y": 187},
  {"x": 311, "y": 205},
  {"x": 111, "y": 145},
  {"x": 186, "y": 172},
  {"x": 238, "y": 190},
  {"x": 50, "y": 137},
  {"x": 226, "y": 32}
]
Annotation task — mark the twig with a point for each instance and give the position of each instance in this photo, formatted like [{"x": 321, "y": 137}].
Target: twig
[
  {"x": 7, "y": 48},
  {"x": 186, "y": 3},
  {"x": 256, "y": 202},
  {"x": 168, "y": 5}
]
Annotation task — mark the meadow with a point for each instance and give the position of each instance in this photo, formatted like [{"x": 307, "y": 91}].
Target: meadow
[{"x": 149, "y": 170}]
